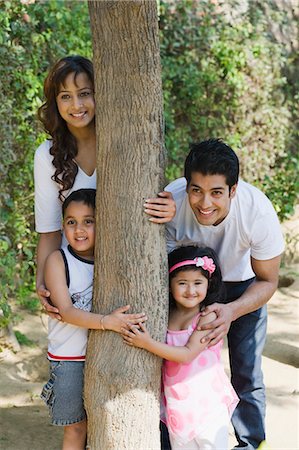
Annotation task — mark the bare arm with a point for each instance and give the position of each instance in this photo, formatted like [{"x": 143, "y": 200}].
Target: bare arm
[
  {"x": 255, "y": 296},
  {"x": 161, "y": 209},
  {"x": 142, "y": 339},
  {"x": 47, "y": 243},
  {"x": 55, "y": 279}
]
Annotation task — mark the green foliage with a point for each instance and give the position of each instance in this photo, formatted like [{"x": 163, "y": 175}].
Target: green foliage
[
  {"x": 227, "y": 78},
  {"x": 283, "y": 186},
  {"x": 23, "y": 339}
]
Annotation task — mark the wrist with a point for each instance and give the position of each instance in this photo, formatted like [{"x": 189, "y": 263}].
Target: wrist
[
  {"x": 235, "y": 310},
  {"x": 103, "y": 325},
  {"x": 39, "y": 284},
  {"x": 146, "y": 345}
]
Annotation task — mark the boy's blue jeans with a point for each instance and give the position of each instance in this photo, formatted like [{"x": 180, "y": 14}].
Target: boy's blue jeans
[{"x": 246, "y": 339}]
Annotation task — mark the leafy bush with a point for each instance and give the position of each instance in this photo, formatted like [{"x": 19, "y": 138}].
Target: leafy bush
[{"x": 226, "y": 78}]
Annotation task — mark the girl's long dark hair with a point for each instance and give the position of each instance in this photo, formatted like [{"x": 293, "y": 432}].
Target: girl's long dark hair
[
  {"x": 216, "y": 288},
  {"x": 64, "y": 148}
]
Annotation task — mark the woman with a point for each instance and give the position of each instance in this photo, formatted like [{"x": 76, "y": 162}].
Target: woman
[{"x": 67, "y": 161}]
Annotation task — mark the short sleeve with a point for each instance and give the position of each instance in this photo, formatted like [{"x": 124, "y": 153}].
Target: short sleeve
[
  {"x": 267, "y": 238},
  {"x": 170, "y": 238},
  {"x": 178, "y": 190},
  {"x": 47, "y": 203}
]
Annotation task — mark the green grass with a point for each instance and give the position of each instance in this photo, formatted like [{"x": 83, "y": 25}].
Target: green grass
[{"x": 23, "y": 339}]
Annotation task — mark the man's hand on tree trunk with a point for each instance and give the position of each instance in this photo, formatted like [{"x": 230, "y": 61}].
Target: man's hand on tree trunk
[{"x": 161, "y": 209}]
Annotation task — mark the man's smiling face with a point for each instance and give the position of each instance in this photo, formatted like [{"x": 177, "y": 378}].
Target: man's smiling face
[{"x": 210, "y": 197}]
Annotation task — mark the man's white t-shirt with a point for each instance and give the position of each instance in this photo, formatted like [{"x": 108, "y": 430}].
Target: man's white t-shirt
[
  {"x": 251, "y": 228},
  {"x": 48, "y": 216}
]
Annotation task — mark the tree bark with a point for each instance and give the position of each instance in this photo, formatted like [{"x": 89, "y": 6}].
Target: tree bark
[{"x": 122, "y": 384}]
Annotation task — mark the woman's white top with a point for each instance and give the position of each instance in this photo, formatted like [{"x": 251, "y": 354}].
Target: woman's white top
[{"x": 48, "y": 215}]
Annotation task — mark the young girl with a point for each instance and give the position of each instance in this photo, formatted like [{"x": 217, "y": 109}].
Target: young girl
[
  {"x": 69, "y": 276},
  {"x": 67, "y": 161},
  {"x": 198, "y": 398}
]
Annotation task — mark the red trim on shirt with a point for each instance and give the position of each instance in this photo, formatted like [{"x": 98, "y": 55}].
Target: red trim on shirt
[{"x": 66, "y": 358}]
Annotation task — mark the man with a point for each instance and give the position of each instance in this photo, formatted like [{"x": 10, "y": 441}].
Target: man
[{"x": 240, "y": 224}]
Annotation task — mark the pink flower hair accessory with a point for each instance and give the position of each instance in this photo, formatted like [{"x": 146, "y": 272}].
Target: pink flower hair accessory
[
  {"x": 208, "y": 264},
  {"x": 205, "y": 262}
]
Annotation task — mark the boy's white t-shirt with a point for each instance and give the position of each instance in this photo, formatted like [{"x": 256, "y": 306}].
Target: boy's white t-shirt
[
  {"x": 66, "y": 341},
  {"x": 251, "y": 228},
  {"x": 48, "y": 216}
]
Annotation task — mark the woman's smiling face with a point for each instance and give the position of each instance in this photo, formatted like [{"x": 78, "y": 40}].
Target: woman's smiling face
[{"x": 75, "y": 101}]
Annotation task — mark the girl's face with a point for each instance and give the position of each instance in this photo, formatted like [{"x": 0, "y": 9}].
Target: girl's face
[
  {"x": 189, "y": 288},
  {"x": 79, "y": 228},
  {"x": 75, "y": 101}
]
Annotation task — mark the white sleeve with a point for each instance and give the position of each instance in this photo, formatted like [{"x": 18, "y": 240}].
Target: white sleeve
[
  {"x": 267, "y": 238},
  {"x": 47, "y": 203},
  {"x": 176, "y": 186},
  {"x": 171, "y": 242},
  {"x": 178, "y": 190}
]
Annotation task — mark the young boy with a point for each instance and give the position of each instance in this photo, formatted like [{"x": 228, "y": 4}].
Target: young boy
[{"x": 69, "y": 277}]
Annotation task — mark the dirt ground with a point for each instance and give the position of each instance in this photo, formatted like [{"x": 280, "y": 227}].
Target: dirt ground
[{"x": 24, "y": 422}]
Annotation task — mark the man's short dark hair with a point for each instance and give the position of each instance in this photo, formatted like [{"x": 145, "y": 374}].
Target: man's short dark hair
[
  {"x": 86, "y": 196},
  {"x": 212, "y": 157}
]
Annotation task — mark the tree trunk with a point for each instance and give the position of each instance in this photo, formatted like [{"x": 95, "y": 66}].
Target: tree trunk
[{"x": 122, "y": 384}]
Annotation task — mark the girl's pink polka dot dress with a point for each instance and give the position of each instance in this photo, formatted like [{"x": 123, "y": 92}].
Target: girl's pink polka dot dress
[{"x": 194, "y": 393}]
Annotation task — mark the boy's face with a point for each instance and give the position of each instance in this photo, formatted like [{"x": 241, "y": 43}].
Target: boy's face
[
  {"x": 209, "y": 197},
  {"x": 79, "y": 228}
]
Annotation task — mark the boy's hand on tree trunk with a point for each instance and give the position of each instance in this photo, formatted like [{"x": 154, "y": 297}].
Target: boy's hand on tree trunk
[{"x": 118, "y": 319}]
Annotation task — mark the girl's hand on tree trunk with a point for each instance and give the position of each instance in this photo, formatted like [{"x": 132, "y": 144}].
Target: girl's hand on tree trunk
[
  {"x": 118, "y": 319},
  {"x": 137, "y": 336},
  {"x": 162, "y": 209}
]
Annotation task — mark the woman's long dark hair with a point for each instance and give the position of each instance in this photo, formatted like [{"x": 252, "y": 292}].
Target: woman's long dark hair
[
  {"x": 216, "y": 288},
  {"x": 64, "y": 148}
]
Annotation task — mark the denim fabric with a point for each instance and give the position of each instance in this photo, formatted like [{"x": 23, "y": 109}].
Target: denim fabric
[
  {"x": 246, "y": 339},
  {"x": 164, "y": 436},
  {"x": 63, "y": 393}
]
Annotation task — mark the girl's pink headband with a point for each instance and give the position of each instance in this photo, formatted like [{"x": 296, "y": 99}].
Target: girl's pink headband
[{"x": 205, "y": 262}]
